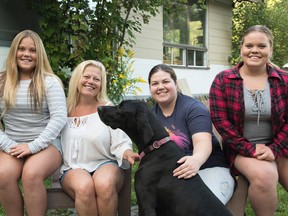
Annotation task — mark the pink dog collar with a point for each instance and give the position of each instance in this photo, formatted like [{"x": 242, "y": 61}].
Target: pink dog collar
[{"x": 155, "y": 145}]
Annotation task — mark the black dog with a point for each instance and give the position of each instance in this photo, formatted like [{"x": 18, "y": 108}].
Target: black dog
[{"x": 158, "y": 192}]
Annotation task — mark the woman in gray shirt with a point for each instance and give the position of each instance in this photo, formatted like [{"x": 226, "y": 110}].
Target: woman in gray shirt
[{"x": 33, "y": 110}]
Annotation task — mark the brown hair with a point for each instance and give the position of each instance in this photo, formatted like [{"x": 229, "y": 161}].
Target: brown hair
[
  {"x": 162, "y": 67},
  {"x": 259, "y": 28}
]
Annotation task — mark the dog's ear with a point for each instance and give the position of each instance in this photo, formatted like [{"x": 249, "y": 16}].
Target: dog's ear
[{"x": 144, "y": 128}]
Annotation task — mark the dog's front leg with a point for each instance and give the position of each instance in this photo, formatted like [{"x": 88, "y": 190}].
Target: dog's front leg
[
  {"x": 146, "y": 197},
  {"x": 146, "y": 202}
]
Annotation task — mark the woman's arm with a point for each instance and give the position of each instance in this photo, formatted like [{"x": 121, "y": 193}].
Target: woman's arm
[
  {"x": 199, "y": 125},
  {"x": 202, "y": 147},
  {"x": 56, "y": 102},
  {"x": 190, "y": 165},
  {"x": 120, "y": 143}
]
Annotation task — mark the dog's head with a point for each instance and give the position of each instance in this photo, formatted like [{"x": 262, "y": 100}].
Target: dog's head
[{"x": 135, "y": 119}]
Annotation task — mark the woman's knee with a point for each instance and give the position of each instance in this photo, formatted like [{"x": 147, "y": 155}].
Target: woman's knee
[
  {"x": 7, "y": 178},
  {"x": 265, "y": 179},
  {"x": 259, "y": 173},
  {"x": 108, "y": 184},
  {"x": 106, "y": 189},
  {"x": 30, "y": 176},
  {"x": 10, "y": 172},
  {"x": 84, "y": 190}
]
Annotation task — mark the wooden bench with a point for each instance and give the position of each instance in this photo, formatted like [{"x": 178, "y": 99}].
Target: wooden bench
[{"x": 58, "y": 199}]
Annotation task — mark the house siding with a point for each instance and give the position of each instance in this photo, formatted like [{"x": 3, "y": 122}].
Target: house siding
[
  {"x": 149, "y": 48},
  {"x": 219, "y": 32},
  {"x": 149, "y": 41},
  {"x": 3, "y": 55}
]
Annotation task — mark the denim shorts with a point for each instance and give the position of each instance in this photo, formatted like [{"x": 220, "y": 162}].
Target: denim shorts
[{"x": 113, "y": 162}]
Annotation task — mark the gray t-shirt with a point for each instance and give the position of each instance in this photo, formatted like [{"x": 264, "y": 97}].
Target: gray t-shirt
[
  {"x": 257, "y": 124},
  {"x": 37, "y": 128}
]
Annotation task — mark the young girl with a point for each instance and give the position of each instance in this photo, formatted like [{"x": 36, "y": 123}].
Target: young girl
[{"x": 33, "y": 110}]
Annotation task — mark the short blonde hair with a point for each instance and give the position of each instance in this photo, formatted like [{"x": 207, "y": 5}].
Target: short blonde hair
[{"x": 73, "y": 92}]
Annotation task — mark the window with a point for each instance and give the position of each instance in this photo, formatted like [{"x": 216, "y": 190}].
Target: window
[{"x": 184, "y": 35}]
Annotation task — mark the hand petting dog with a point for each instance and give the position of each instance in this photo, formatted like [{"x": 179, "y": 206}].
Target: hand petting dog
[{"x": 131, "y": 156}]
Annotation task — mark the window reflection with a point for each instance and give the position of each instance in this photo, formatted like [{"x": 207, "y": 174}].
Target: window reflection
[{"x": 184, "y": 35}]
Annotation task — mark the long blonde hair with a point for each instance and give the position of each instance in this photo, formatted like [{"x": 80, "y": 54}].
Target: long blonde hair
[
  {"x": 73, "y": 92},
  {"x": 10, "y": 78}
]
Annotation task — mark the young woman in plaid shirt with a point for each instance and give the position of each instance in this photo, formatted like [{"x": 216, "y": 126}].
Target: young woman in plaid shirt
[{"x": 248, "y": 105}]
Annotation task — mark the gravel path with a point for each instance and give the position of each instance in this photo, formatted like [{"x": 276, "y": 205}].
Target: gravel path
[
  {"x": 72, "y": 212},
  {"x": 134, "y": 211}
]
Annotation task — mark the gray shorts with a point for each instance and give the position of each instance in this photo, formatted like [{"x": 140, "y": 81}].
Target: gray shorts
[
  {"x": 57, "y": 143},
  {"x": 220, "y": 182}
]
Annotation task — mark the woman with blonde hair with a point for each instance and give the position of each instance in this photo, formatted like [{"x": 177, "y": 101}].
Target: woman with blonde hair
[
  {"x": 94, "y": 155},
  {"x": 33, "y": 110},
  {"x": 74, "y": 93}
]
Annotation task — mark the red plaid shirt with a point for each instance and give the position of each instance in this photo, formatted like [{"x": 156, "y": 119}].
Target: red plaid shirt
[{"x": 227, "y": 111}]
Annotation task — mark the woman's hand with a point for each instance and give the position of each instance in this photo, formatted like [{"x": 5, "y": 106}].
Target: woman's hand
[
  {"x": 189, "y": 167},
  {"x": 20, "y": 150},
  {"x": 264, "y": 153},
  {"x": 131, "y": 156}
]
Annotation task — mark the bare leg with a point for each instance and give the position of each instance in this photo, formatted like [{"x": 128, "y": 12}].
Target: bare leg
[
  {"x": 108, "y": 180},
  {"x": 36, "y": 169},
  {"x": 282, "y": 164},
  {"x": 263, "y": 179},
  {"x": 10, "y": 194},
  {"x": 79, "y": 185}
]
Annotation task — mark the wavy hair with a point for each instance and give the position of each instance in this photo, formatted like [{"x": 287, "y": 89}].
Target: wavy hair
[{"x": 74, "y": 84}]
